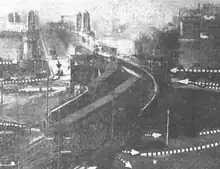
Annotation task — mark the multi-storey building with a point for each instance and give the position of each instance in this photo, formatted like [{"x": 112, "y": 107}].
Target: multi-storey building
[
  {"x": 10, "y": 17},
  {"x": 200, "y": 33},
  {"x": 86, "y": 21},
  {"x": 33, "y": 20},
  {"x": 33, "y": 34},
  {"x": 194, "y": 23},
  {"x": 79, "y": 21},
  {"x": 17, "y": 18},
  {"x": 14, "y": 23},
  {"x": 14, "y": 18}
]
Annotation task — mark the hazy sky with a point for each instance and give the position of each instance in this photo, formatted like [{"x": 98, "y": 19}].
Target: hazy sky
[{"x": 54, "y": 8}]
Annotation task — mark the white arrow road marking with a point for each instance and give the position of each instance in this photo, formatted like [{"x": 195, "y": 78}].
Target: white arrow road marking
[
  {"x": 174, "y": 70},
  {"x": 156, "y": 135},
  {"x": 154, "y": 161},
  {"x": 92, "y": 167},
  {"x": 185, "y": 81},
  {"x": 134, "y": 152},
  {"x": 128, "y": 164},
  {"x": 14, "y": 62}
]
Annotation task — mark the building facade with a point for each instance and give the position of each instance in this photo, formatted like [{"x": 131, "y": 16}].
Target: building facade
[
  {"x": 33, "y": 20},
  {"x": 86, "y": 22},
  {"x": 14, "y": 23},
  {"x": 200, "y": 37},
  {"x": 79, "y": 21}
]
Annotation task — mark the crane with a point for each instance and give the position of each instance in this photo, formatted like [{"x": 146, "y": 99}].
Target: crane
[{"x": 63, "y": 16}]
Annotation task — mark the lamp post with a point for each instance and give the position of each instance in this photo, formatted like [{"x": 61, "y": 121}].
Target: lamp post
[
  {"x": 2, "y": 92},
  {"x": 2, "y": 97},
  {"x": 167, "y": 126},
  {"x": 47, "y": 95},
  {"x": 141, "y": 86},
  {"x": 113, "y": 114},
  {"x": 59, "y": 141}
]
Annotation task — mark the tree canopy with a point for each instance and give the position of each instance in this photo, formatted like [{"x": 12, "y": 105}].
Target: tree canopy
[
  {"x": 169, "y": 39},
  {"x": 153, "y": 38}
]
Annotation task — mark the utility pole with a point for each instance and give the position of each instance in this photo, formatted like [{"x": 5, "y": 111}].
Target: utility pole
[
  {"x": 59, "y": 140},
  {"x": 17, "y": 134},
  {"x": 2, "y": 106},
  {"x": 47, "y": 101},
  {"x": 141, "y": 105},
  {"x": 113, "y": 113},
  {"x": 2, "y": 93},
  {"x": 168, "y": 121}
]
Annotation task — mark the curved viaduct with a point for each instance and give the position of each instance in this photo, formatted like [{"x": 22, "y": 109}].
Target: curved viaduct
[
  {"x": 131, "y": 66},
  {"x": 90, "y": 126}
]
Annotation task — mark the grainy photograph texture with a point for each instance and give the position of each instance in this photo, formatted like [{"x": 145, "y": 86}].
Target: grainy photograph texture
[{"x": 110, "y": 84}]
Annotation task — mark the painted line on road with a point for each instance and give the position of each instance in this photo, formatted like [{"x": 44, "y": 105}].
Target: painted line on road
[
  {"x": 8, "y": 63},
  {"x": 164, "y": 153},
  {"x": 209, "y": 132}
]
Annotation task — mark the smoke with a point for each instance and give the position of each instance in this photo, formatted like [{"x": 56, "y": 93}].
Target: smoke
[{"x": 134, "y": 16}]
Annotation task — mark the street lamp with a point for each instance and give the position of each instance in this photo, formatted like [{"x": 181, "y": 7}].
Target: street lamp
[
  {"x": 113, "y": 114},
  {"x": 47, "y": 101},
  {"x": 2, "y": 96},
  {"x": 59, "y": 141},
  {"x": 141, "y": 87},
  {"x": 167, "y": 126},
  {"x": 2, "y": 92}
]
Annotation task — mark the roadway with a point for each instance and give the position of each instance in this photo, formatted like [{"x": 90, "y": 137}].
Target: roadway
[
  {"x": 158, "y": 154},
  {"x": 135, "y": 72},
  {"x": 180, "y": 151},
  {"x": 128, "y": 65}
]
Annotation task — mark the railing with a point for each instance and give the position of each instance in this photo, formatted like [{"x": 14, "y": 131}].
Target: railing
[{"x": 65, "y": 104}]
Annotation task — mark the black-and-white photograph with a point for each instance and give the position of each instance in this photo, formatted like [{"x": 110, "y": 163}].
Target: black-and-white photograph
[{"x": 110, "y": 84}]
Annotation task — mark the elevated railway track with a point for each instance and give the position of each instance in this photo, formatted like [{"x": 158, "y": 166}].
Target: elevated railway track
[{"x": 135, "y": 72}]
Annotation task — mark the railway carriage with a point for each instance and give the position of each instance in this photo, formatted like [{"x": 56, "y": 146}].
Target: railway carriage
[{"x": 106, "y": 50}]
